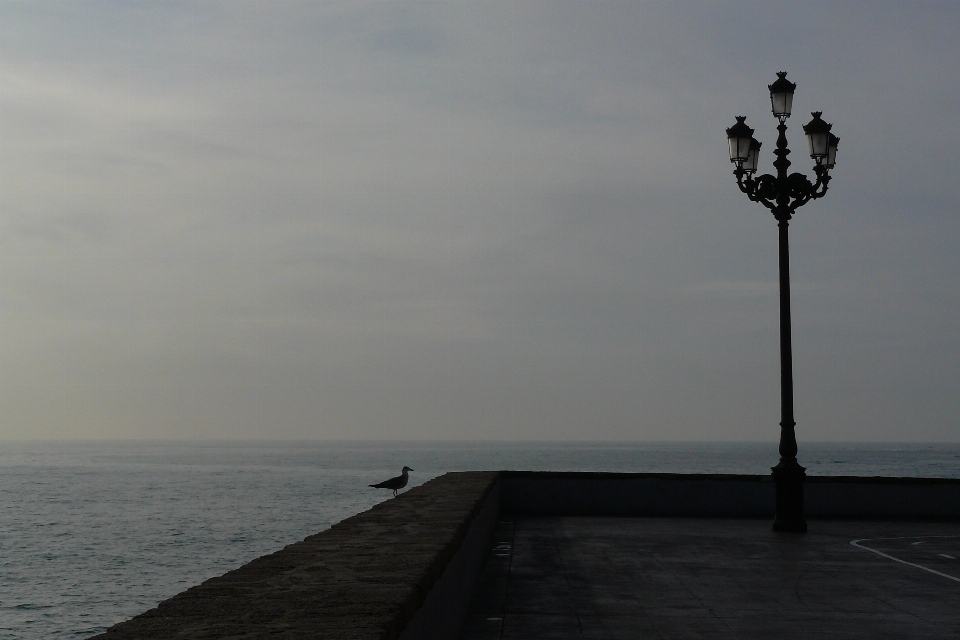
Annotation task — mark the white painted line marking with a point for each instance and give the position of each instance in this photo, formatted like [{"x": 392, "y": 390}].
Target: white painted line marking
[
  {"x": 916, "y": 543},
  {"x": 912, "y": 564},
  {"x": 946, "y": 556}
]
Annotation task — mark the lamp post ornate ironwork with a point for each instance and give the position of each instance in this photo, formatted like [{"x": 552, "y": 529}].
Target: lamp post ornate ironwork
[{"x": 783, "y": 194}]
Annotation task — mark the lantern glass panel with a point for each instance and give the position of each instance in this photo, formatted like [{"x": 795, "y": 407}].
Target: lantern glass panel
[
  {"x": 782, "y": 104},
  {"x": 750, "y": 166},
  {"x": 739, "y": 148},
  {"x": 832, "y": 151},
  {"x": 818, "y": 144},
  {"x": 751, "y": 163}
]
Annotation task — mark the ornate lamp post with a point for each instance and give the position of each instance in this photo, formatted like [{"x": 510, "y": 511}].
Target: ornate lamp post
[{"x": 783, "y": 194}]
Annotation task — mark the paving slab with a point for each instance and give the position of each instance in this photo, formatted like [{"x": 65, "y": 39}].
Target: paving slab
[{"x": 612, "y": 578}]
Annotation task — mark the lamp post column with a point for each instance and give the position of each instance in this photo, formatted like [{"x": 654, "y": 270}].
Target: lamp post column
[{"x": 788, "y": 475}]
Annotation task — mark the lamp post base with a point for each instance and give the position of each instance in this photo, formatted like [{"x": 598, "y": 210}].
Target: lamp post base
[{"x": 789, "y": 476}]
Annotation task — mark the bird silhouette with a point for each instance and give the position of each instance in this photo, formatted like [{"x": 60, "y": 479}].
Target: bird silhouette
[{"x": 394, "y": 484}]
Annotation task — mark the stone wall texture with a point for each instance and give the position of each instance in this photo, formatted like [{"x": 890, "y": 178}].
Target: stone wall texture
[{"x": 364, "y": 578}]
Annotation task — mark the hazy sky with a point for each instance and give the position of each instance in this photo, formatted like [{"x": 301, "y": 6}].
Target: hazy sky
[{"x": 485, "y": 220}]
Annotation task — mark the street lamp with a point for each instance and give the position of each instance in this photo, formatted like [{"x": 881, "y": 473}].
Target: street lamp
[{"x": 783, "y": 194}]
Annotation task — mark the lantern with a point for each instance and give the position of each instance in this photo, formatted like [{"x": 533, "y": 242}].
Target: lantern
[
  {"x": 739, "y": 137},
  {"x": 818, "y": 137},
  {"x": 781, "y": 95}
]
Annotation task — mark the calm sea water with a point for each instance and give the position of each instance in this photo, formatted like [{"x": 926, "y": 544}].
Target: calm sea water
[{"x": 94, "y": 533}]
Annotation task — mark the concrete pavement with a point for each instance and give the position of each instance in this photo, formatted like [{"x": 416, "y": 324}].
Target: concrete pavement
[{"x": 611, "y": 578}]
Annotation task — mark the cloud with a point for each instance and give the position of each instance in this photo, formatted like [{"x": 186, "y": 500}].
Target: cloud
[{"x": 447, "y": 220}]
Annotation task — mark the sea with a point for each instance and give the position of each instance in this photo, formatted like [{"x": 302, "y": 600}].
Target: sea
[{"x": 93, "y": 533}]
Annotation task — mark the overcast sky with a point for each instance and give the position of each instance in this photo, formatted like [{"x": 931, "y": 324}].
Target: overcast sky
[{"x": 486, "y": 220}]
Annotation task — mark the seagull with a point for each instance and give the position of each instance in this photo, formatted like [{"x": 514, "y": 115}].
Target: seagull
[{"x": 394, "y": 483}]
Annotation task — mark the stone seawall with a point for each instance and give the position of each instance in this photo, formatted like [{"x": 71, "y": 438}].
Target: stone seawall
[
  {"x": 636, "y": 494},
  {"x": 367, "y": 577},
  {"x": 723, "y": 496}
]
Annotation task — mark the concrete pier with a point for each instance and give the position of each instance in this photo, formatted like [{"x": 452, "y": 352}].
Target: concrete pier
[{"x": 598, "y": 555}]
